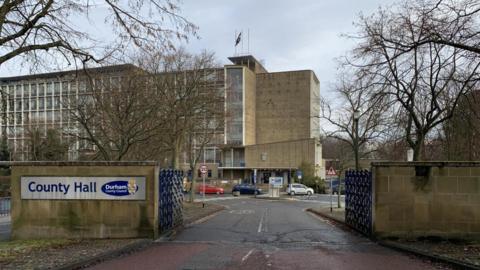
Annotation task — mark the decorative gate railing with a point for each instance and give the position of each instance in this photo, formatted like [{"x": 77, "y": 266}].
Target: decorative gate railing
[
  {"x": 358, "y": 200},
  {"x": 170, "y": 212}
]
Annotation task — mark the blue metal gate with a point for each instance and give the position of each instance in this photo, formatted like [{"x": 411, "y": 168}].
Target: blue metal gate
[
  {"x": 358, "y": 200},
  {"x": 170, "y": 212}
]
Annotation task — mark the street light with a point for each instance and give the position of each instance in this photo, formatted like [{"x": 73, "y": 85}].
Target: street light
[{"x": 356, "y": 117}]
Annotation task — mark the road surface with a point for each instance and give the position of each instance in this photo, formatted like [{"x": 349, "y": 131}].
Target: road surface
[{"x": 262, "y": 234}]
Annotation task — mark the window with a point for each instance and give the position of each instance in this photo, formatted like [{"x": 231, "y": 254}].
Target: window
[
  {"x": 57, "y": 102},
  {"x": 49, "y": 89},
  {"x": 49, "y": 116},
  {"x": 82, "y": 86},
  {"x": 26, "y": 90},
  {"x": 33, "y": 104},
  {"x": 64, "y": 87},
  {"x": 57, "y": 116},
  {"x": 18, "y": 105},
  {"x": 49, "y": 102},
  {"x": 41, "y": 103},
  {"x": 41, "y": 90},
  {"x": 11, "y": 104},
  {"x": 209, "y": 173},
  {"x": 18, "y": 91},
  {"x": 26, "y": 104},
  {"x": 18, "y": 118},
  {"x": 33, "y": 90},
  {"x": 56, "y": 88}
]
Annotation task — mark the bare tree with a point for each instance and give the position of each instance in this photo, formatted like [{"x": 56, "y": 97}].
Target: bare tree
[
  {"x": 459, "y": 135},
  {"x": 46, "y": 147},
  {"x": 427, "y": 81},
  {"x": 43, "y": 29},
  {"x": 42, "y": 32},
  {"x": 149, "y": 112},
  {"x": 190, "y": 86},
  {"x": 187, "y": 86},
  {"x": 451, "y": 23},
  {"x": 116, "y": 114},
  {"x": 355, "y": 95}
]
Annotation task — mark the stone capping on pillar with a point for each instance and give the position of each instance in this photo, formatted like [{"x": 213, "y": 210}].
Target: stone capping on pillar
[
  {"x": 79, "y": 163},
  {"x": 426, "y": 163}
]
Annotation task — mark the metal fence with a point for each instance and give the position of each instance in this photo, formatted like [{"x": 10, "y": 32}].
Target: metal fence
[
  {"x": 358, "y": 200},
  {"x": 170, "y": 212},
  {"x": 5, "y": 205}
]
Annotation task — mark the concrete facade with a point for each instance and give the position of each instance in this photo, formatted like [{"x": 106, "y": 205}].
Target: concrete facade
[
  {"x": 85, "y": 218},
  {"x": 285, "y": 106},
  {"x": 282, "y": 154},
  {"x": 445, "y": 202}
]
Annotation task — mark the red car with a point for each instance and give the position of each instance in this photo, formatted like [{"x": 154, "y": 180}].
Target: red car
[{"x": 209, "y": 189}]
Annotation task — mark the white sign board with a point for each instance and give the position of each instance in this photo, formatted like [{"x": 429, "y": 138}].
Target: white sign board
[
  {"x": 276, "y": 181},
  {"x": 82, "y": 188}
]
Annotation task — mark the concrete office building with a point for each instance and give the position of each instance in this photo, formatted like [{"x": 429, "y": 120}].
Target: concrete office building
[
  {"x": 271, "y": 119},
  {"x": 272, "y": 122}
]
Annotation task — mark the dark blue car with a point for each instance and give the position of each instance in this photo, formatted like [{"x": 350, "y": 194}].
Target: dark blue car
[{"x": 246, "y": 189}]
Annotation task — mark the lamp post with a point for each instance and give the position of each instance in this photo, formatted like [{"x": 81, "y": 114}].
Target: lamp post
[{"x": 356, "y": 117}]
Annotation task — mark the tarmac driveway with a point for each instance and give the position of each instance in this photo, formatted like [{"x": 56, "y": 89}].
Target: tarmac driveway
[{"x": 263, "y": 234}]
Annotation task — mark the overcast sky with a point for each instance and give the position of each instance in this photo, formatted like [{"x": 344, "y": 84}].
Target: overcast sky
[{"x": 285, "y": 34}]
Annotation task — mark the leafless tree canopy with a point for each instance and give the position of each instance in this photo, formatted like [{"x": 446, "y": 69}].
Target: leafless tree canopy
[
  {"x": 425, "y": 81},
  {"x": 355, "y": 92},
  {"x": 37, "y": 30},
  {"x": 145, "y": 114}
]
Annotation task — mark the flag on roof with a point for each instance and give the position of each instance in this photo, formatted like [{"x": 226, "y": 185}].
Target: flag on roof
[{"x": 239, "y": 38}]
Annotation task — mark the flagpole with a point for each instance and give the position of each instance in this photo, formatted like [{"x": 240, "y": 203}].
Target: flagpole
[
  {"x": 241, "y": 40},
  {"x": 235, "y": 43},
  {"x": 248, "y": 40}
]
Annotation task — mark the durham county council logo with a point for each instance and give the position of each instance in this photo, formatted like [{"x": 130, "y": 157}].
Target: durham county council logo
[
  {"x": 132, "y": 186},
  {"x": 120, "y": 188}
]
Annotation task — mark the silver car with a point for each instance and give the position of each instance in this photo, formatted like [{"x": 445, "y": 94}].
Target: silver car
[{"x": 294, "y": 189}]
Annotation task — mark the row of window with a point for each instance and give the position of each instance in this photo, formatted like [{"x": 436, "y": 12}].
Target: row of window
[
  {"x": 55, "y": 88},
  {"x": 34, "y": 104}
]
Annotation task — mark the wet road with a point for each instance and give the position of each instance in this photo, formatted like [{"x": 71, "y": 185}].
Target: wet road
[{"x": 261, "y": 234}]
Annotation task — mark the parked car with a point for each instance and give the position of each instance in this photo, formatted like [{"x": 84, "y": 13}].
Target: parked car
[
  {"x": 296, "y": 189},
  {"x": 246, "y": 189},
  {"x": 335, "y": 187},
  {"x": 209, "y": 189}
]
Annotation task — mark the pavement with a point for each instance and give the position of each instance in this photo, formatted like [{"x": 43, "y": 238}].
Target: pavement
[
  {"x": 267, "y": 234},
  {"x": 320, "y": 198}
]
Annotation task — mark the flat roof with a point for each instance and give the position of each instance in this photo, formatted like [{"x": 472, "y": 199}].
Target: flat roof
[
  {"x": 238, "y": 60},
  {"x": 112, "y": 68}
]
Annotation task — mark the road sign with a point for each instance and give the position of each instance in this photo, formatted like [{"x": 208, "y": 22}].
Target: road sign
[
  {"x": 203, "y": 169},
  {"x": 331, "y": 172},
  {"x": 299, "y": 174},
  {"x": 276, "y": 182}
]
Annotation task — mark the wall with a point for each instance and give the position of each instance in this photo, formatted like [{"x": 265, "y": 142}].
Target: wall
[
  {"x": 281, "y": 155},
  {"x": 85, "y": 218},
  {"x": 448, "y": 205},
  {"x": 283, "y": 106},
  {"x": 250, "y": 107}
]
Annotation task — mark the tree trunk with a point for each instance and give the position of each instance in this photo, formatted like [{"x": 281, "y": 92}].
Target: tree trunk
[
  {"x": 418, "y": 148},
  {"x": 192, "y": 187}
]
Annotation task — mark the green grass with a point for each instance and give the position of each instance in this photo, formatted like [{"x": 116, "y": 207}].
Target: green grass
[{"x": 12, "y": 249}]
